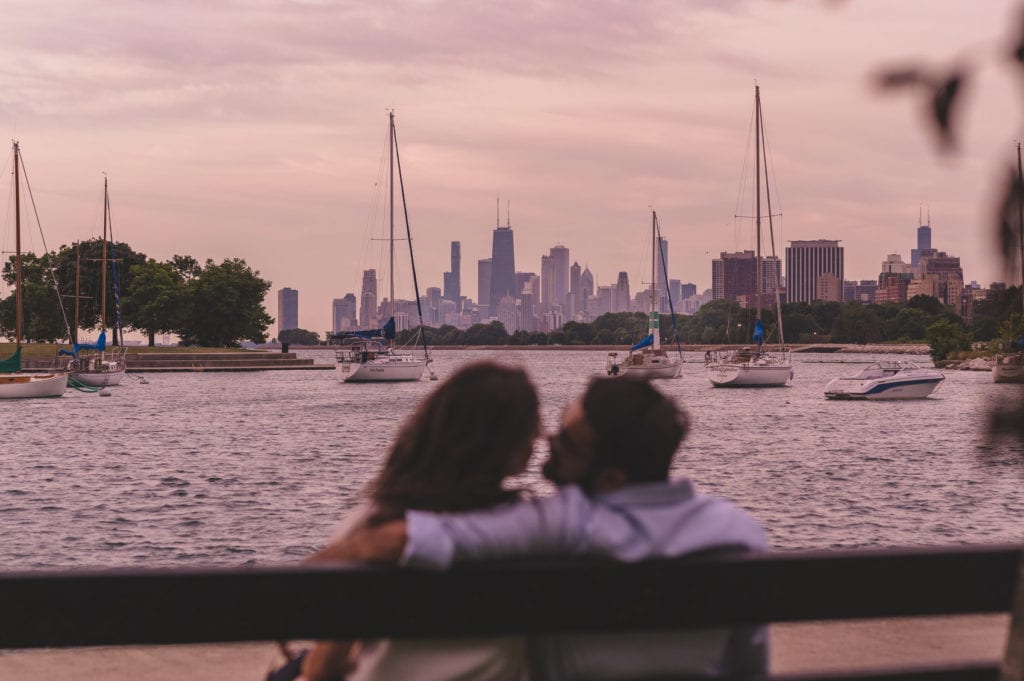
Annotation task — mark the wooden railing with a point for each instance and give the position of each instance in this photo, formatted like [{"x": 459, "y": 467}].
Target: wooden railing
[{"x": 120, "y": 607}]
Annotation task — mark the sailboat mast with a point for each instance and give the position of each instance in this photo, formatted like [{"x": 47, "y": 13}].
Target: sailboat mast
[
  {"x": 655, "y": 247},
  {"x": 103, "y": 262},
  {"x": 757, "y": 201},
  {"x": 1020, "y": 204},
  {"x": 391, "y": 210},
  {"x": 18, "y": 321},
  {"x": 78, "y": 287}
]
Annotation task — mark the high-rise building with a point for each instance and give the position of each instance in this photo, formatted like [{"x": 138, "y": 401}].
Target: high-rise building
[
  {"x": 947, "y": 272},
  {"x": 622, "y": 302},
  {"x": 453, "y": 279},
  {"x": 660, "y": 268},
  {"x": 586, "y": 288},
  {"x": 432, "y": 315},
  {"x": 287, "y": 309},
  {"x": 503, "y": 265},
  {"x": 575, "y": 294},
  {"x": 687, "y": 291},
  {"x": 560, "y": 259},
  {"x": 734, "y": 275},
  {"x": 547, "y": 282},
  {"x": 483, "y": 286},
  {"x": 829, "y": 288},
  {"x": 806, "y": 261},
  {"x": 343, "y": 313},
  {"x": 924, "y": 243},
  {"x": 368, "y": 300}
]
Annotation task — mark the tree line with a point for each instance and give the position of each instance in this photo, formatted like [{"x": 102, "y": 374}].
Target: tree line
[
  {"x": 921, "y": 319},
  {"x": 210, "y": 304}
]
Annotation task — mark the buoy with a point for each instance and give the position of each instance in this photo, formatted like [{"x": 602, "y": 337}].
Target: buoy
[{"x": 105, "y": 392}]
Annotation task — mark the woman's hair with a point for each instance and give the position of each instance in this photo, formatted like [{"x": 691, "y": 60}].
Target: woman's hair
[{"x": 462, "y": 441}]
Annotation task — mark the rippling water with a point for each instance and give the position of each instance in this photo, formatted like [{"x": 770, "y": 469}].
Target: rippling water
[{"x": 229, "y": 469}]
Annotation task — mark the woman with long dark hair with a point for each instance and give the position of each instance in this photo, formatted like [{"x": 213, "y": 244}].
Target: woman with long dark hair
[{"x": 453, "y": 454}]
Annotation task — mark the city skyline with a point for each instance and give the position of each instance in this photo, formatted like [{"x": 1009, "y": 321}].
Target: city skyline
[{"x": 583, "y": 120}]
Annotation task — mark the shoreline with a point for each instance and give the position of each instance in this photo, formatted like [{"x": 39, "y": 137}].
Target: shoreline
[
  {"x": 814, "y": 348},
  {"x": 799, "y": 647}
]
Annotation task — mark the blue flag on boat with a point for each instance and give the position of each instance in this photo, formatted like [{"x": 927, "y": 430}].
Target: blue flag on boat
[
  {"x": 758, "y": 332},
  {"x": 646, "y": 342},
  {"x": 100, "y": 344}
]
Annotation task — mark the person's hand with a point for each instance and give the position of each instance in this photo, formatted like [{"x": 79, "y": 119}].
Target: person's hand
[
  {"x": 378, "y": 544},
  {"x": 330, "y": 660}
]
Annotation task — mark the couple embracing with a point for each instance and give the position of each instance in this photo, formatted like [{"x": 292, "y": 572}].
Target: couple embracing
[{"x": 441, "y": 498}]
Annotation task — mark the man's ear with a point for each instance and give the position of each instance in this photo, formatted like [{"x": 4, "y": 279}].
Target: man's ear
[{"x": 610, "y": 479}]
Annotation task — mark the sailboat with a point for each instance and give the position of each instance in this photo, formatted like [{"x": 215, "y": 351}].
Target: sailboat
[
  {"x": 99, "y": 368},
  {"x": 14, "y": 383},
  {"x": 1009, "y": 367},
  {"x": 758, "y": 366},
  {"x": 370, "y": 356},
  {"x": 647, "y": 359}
]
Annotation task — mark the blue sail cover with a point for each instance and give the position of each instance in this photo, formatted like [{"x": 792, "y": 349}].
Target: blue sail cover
[
  {"x": 646, "y": 342},
  {"x": 387, "y": 331},
  {"x": 100, "y": 344},
  {"x": 1019, "y": 343},
  {"x": 758, "y": 332}
]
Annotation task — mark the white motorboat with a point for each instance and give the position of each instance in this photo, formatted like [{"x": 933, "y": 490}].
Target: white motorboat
[
  {"x": 759, "y": 367},
  {"x": 886, "y": 380}
]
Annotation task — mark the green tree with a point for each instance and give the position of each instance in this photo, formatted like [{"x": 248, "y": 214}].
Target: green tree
[
  {"x": 42, "y": 317},
  {"x": 946, "y": 337},
  {"x": 225, "y": 305},
  {"x": 157, "y": 299},
  {"x": 299, "y": 337},
  {"x": 486, "y": 334},
  {"x": 856, "y": 324}
]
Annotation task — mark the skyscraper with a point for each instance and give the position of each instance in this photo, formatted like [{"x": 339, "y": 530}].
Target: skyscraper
[
  {"x": 806, "y": 261},
  {"x": 622, "y": 302},
  {"x": 343, "y": 313},
  {"x": 453, "y": 279},
  {"x": 547, "y": 282},
  {"x": 368, "y": 300},
  {"x": 560, "y": 260},
  {"x": 574, "y": 290},
  {"x": 483, "y": 286},
  {"x": 924, "y": 242},
  {"x": 503, "y": 265},
  {"x": 734, "y": 275},
  {"x": 586, "y": 289},
  {"x": 287, "y": 309},
  {"x": 661, "y": 281}
]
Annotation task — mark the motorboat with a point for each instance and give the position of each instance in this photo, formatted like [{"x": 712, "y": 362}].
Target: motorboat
[{"x": 886, "y": 380}]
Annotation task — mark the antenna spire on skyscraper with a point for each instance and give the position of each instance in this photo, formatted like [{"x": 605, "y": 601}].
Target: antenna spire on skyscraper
[
  {"x": 508, "y": 213},
  {"x": 497, "y": 210}
]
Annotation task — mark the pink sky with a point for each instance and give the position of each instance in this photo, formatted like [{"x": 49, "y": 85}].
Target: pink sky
[{"x": 255, "y": 129}]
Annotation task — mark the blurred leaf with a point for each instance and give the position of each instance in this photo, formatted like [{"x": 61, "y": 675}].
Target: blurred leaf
[
  {"x": 1010, "y": 217},
  {"x": 898, "y": 78},
  {"x": 944, "y": 101}
]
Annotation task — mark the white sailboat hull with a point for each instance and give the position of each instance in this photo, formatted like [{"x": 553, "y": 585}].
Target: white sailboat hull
[
  {"x": 20, "y": 386},
  {"x": 1008, "y": 369},
  {"x": 652, "y": 367},
  {"x": 99, "y": 379},
  {"x": 749, "y": 375},
  {"x": 386, "y": 370}
]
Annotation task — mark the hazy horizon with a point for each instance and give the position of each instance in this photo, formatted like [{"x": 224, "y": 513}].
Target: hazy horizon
[{"x": 255, "y": 130}]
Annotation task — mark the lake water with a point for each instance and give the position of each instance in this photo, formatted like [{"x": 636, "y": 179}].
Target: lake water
[{"x": 256, "y": 468}]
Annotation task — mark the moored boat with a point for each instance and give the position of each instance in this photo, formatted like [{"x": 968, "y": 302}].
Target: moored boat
[{"x": 886, "y": 380}]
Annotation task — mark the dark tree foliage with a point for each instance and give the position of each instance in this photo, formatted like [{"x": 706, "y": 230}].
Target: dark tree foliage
[
  {"x": 225, "y": 306},
  {"x": 158, "y": 297},
  {"x": 299, "y": 337}
]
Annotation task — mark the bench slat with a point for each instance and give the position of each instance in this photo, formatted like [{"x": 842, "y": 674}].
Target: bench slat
[{"x": 220, "y": 605}]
